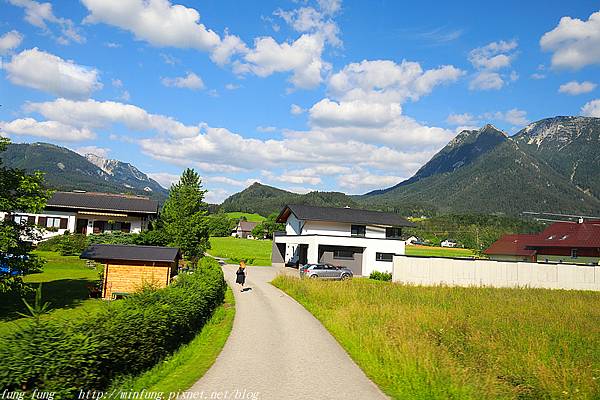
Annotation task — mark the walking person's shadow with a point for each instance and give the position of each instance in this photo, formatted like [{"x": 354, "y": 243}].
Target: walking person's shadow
[{"x": 246, "y": 289}]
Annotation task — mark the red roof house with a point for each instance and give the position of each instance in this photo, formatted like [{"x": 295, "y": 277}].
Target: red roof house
[
  {"x": 562, "y": 242},
  {"x": 511, "y": 248}
]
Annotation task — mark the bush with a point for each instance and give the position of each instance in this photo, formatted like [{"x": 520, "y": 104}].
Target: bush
[
  {"x": 381, "y": 276},
  {"x": 125, "y": 337},
  {"x": 67, "y": 245}
]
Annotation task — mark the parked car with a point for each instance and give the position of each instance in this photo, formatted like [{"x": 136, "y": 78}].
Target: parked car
[{"x": 325, "y": 271}]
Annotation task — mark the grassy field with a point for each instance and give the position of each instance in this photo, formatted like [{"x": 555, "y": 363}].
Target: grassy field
[
  {"x": 188, "y": 364},
  {"x": 64, "y": 284},
  {"x": 462, "y": 343},
  {"x": 255, "y": 252},
  {"x": 429, "y": 251},
  {"x": 249, "y": 217}
]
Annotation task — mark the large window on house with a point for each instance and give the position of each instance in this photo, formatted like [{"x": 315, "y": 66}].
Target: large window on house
[
  {"x": 358, "y": 230},
  {"x": 24, "y": 219},
  {"x": 393, "y": 233},
  {"x": 387, "y": 257},
  {"x": 53, "y": 222},
  {"x": 342, "y": 254}
]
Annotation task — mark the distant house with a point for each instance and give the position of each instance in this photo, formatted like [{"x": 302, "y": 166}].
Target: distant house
[
  {"x": 89, "y": 213},
  {"x": 361, "y": 240},
  {"x": 511, "y": 248},
  {"x": 128, "y": 268},
  {"x": 561, "y": 242},
  {"x": 448, "y": 243},
  {"x": 244, "y": 229}
]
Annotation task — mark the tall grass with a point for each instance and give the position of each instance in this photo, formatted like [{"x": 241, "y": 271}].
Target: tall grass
[{"x": 462, "y": 343}]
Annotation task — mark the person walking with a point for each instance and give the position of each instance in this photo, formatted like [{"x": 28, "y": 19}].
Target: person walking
[{"x": 241, "y": 275}]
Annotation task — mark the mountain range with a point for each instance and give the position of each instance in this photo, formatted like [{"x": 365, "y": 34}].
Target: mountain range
[
  {"x": 551, "y": 165},
  {"x": 67, "y": 170}
]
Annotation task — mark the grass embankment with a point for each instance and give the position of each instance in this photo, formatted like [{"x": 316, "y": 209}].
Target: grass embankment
[
  {"x": 249, "y": 217},
  {"x": 188, "y": 364},
  {"x": 430, "y": 251},
  {"x": 462, "y": 343},
  {"x": 64, "y": 285},
  {"x": 255, "y": 252}
]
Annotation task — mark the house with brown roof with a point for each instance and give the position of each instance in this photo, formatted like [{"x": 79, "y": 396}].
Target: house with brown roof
[
  {"x": 561, "y": 242},
  {"x": 511, "y": 248},
  {"x": 244, "y": 229},
  {"x": 91, "y": 213}
]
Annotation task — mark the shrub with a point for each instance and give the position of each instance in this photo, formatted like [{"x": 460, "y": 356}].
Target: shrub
[
  {"x": 381, "y": 276},
  {"x": 67, "y": 245},
  {"x": 125, "y": 337}
]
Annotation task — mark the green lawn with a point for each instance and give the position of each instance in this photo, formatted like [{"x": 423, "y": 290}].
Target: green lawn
[
  {"x": 249, "y": 217},
  {"x": 183, "y": 368},
  {"x": 462, "y": 343},
  {"x": 427, "y": 251},
  {"x": 255, "y": 252},
  {"x": 64, "y": 284}
]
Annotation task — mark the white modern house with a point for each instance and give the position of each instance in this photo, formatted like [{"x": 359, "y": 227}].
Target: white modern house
[
  {"x": 90, "y": 213},
  {"x": 362, "y": 240}
]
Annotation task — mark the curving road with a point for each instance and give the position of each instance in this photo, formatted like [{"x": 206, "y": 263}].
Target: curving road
[{"x": 278, "y": 350}]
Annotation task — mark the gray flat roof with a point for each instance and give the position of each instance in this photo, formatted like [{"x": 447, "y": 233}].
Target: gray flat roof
[
  {"x": 130, "y": 253},
  {"x": 103, "y": 202},
  {"x": 347, "y": 215}
]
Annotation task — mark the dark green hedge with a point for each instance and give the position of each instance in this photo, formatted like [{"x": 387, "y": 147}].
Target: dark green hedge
[{"x": 125, "y": 337}]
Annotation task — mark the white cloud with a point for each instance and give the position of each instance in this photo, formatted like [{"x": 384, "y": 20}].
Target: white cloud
[
  {"x": 98, "y": 151},
  {"x": 39, "y": 14},
  {"x": 387, "y": 81},
  {"x": 362, "y": 181},
  {"x": 292, "y": 177},
  {"x": 486, "y": 80},
  {"x": 230, "y": 181},
  {"x": 513, "y": 116},
  {"x": 10, "y": 41},
  {"x": 591, "y": 109},
  {"x": 94, "y": 114},
  {"x": 232, "y": 86},
  {"x": 44, "y": 71},
  {"x": 357, "y": 113},
  {"x": 461, "y": 119},
  {"x": 296, "y": 109},
  {"x": 190, "y": 81},
  {"x": 217, "y": 195},
  {"x": 47, "y": 129},
  {"x": 487, "y": 60},
  {"x": 493, "y": 56},
  {"x": 266, "y": 129},
  {"x": 157, "y": 22},
  {"x": 302, "y": 57},
  {"x": 574, "y": 88},
  {"x": 538, "y": 76},
  {"x": 310, "y": 20},
  {"x": 227, "y": 48},
  {"x": 574, "y": 43},
  {"x": 165, "y": 179}
]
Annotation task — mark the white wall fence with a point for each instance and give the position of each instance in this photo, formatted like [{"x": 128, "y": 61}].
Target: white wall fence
[{"x": 453, "y": 272}]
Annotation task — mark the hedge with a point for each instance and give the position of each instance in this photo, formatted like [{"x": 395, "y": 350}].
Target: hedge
[{"x": 125, "y": 337}]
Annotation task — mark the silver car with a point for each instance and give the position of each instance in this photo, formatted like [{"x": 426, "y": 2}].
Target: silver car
[{"x": 325, "y": 271}]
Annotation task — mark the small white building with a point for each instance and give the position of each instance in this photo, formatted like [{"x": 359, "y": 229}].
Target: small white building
[
  {"x": 362, "y": 240},
  {"x": 91, "y": 213}
]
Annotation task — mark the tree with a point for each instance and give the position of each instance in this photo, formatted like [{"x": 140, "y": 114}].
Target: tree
[
  {"x": 268, "y": 227},
  {"x": 183, "y": 216},
  {"x": 220, "y": 224},
  {"x": 18, "y": 192}
]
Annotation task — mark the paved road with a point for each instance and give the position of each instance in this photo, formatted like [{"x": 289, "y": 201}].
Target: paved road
[{"x": 278, "y": 350}]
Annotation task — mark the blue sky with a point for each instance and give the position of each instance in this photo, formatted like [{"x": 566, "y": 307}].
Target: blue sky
[{"x": 302, "y": 95}]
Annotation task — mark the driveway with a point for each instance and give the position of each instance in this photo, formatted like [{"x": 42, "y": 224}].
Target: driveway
[{"x": 278, "y": 350}]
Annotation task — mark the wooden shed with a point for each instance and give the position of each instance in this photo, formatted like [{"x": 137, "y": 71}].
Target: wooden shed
[{"x": 128, "y": 268}]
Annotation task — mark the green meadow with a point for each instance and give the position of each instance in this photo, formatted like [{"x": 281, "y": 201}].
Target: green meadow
[
  {"x": 255, "y": 252},
  {"x": 462, "y": 343}
]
